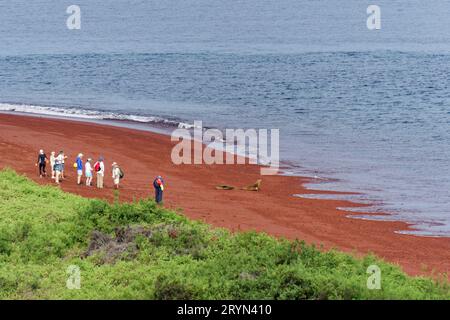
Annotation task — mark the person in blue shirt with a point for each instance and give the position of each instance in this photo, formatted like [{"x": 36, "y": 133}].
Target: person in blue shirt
[{"x": 79, "y": 164}]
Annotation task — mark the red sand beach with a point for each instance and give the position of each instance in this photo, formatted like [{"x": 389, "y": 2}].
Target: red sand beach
[{"x": 273, "y": 209}]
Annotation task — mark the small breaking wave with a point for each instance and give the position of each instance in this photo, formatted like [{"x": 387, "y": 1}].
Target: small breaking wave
[{"x": 82, "y": 113}]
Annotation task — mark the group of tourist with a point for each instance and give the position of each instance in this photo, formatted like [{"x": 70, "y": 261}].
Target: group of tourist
[
  {"x": 58, "y": 169},
  {"x": 87, "y": 168}
]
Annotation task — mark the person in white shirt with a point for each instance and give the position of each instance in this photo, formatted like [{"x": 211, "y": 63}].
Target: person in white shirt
[
  {"x": 59, "y": 162},
  {"x": 116, "y": 174},
  {"x": 100, "y": 169},
  {"x": 88, "y": 172},
  {"x": 52, "y": 164},
  {"x": 63, "y": 166}
]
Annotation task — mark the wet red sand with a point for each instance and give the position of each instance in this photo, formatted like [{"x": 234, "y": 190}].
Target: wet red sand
[{"x": 273, "y": 209}]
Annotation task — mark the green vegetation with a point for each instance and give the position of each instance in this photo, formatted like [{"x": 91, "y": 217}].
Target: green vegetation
[{"x": 143, "y": 251}]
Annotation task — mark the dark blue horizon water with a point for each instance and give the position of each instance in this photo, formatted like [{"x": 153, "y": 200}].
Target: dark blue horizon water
[{"x": 369, "y": 110}]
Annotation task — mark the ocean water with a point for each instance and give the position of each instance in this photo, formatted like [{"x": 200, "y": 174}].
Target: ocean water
[{"x": 358, "y": 110}]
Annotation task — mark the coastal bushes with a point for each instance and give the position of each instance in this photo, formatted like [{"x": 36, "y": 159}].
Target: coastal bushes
[{"x": 142, "y": 251}]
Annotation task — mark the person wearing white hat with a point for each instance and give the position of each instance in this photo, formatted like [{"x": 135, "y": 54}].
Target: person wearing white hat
[
  {"x": 59, "y": 166},
  {"x": 79, "y": 166},
  {"x": 52, "y": 163},
  {"x": 116, "y": 175},
  {"x": 88, "y": 172},
  {"x": 99, "y": 167}
]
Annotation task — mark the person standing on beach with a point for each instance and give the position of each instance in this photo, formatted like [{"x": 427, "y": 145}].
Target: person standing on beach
[
  {"x": 63, "y": 157},
  {"x": 79, "y": 163},
  {"x": 52, "y": 164},
  {"x": 88, "y": 172},
  {"x": 116, "y": 175},
  {"x": 99, "y": 167},
  {"x": 58, "y": 166},
  {"x": 41, "y": 162},
  {"x": 158, "y": 184}
]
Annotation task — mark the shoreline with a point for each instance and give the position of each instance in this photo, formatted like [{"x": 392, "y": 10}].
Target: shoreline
[{"x": 144, "y": 154}]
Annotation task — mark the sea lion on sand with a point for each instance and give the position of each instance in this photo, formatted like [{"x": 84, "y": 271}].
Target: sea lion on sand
[
  {"x": 254, "y": 187},
  {"x": 224, "y": 187}
]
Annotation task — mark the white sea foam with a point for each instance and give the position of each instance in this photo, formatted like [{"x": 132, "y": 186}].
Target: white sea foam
[
  {"x": 87, "y": 114},
  {"x": 81, "y": 113}
]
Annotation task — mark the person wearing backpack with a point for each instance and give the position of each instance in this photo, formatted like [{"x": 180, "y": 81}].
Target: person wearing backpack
[
  {"x": 117, "y": 174},
  {"x": 158, "y": 184},
  {"x": 99, "y": 168}
]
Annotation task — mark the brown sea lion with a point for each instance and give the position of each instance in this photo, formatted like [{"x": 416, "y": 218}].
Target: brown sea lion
[
  {"x": 224, "y": 187},
  {"x": 254, "y": 187}
]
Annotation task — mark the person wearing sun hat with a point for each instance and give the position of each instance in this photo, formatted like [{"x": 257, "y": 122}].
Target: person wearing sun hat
[
  {"x": 116, "y": 175},
  {"x": 79, "y": 166},
  {"x": 59, "y": 166},
  {"x": 52, "y": 163},
  {"x": 88, "y": 172},
  {"x": 99, "y": 168}
]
